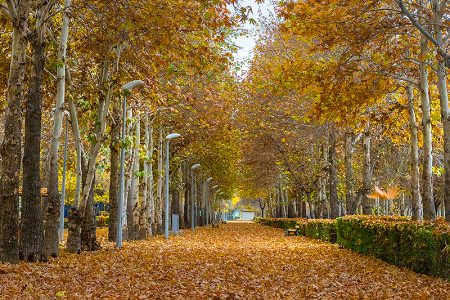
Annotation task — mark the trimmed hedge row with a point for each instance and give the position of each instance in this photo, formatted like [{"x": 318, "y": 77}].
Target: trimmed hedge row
[
  {"x": 421, "y": 246},
  {"x": 319, "y": 229}
]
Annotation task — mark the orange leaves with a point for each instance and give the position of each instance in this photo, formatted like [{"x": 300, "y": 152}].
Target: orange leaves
[
  {"x": 236, "y": 261},
  {"x": 378, "y": 193}
]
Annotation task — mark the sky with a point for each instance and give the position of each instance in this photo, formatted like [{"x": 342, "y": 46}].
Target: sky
[{"x": 247, "y": 43}]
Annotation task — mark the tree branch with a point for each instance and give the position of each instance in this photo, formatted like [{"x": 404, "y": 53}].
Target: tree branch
[
  {"x": 425, "y": 32},
  {"x": 12, "y": 10},
  {"x": 5, "y": 9}
]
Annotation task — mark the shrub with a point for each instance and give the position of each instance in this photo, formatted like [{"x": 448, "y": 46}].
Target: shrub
[
  {"x": 103, "y": 219},
  {"x": 420, "y": 246},
  {"x": 324, "y": 230}
]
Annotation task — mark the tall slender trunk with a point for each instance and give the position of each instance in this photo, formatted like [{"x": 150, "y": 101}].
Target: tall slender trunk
[
  {"x": 349, "y": 175},
  {"x": 179, "y": 205},
  {"x": 31, "y": 216},
  {"x": 282, "y": 201},
  {"x": 159, "y": 206},
  {"x": 333, "y": 180},
  {"x": 135, "y": 196},
  {"x": 367, "y": 173},
  {"x": 417, "y": 212},
  {"x": 74, "y": 219},
  {"x": 151, "y": 196},
  {"x": 429, "y": 210},
  {"x": 114, "y": 173},
  {"x": 438, "y": 12},
  {"x": 78, "y": 148},
  {"x": 130, "y": 185},
  {"x": 188, "y": 201},
  {"x": 80, "y": 213},
  {"x": 143, "y": 219},
  {"x": 53, "y": 200},
  {"x": 89, "y": 225}
]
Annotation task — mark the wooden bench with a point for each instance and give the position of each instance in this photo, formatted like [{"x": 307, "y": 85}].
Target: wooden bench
[
  {"x": 292, "y": 231},
  {"x": 214, "y": 225}
]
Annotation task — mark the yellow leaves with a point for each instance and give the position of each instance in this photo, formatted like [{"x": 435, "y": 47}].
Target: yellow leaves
[{"x": 61, "y": 294}]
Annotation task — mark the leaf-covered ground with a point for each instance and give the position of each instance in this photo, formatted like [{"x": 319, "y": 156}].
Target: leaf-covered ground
[{"x": 236, "y": 261}]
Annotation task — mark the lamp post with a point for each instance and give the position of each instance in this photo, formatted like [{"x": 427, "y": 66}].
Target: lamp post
[
  {"x": 166, "y": 219},
  {"x": 126, "y": 89},
  {"x": 193, "y": 168},
  {"x": 63, "y": 187}
]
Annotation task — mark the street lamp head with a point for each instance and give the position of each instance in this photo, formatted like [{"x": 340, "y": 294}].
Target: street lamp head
[
  {"x": 196, "y": 166},
  {"x": 172, "y": 136},
  {"x": 132, "y": 84},
  {"x": 208, "y": 180},
  {"x": 215, "y": 187}
]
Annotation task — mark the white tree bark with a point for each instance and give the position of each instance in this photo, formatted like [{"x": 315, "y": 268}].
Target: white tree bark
[
  {"x": 429, "y": 210},
  {"x": 417, "y": 211},
  {"x": 367, "y": 172},
  {"x": 159, "y": 198},
  {"x": 135, "y": 197},
  {"x": 438, "y": 13},
  {"x": 144, "y": 225},
  {"x": 151, "y": 198}
]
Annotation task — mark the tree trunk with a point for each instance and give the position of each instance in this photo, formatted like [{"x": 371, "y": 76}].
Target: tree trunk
[
  {"x": 78, "y": 148},
  {"x": 334, "y": 208},
  {"x": 187, "y": 203},
  {"x": 103, "y": 105},
  {"x": 114, "y": 173},
  {"x": 143, "y": 219},
  {"x": 438, "y": 12},
  {"x": 367, "y": 173},
  {"x": 130, "y": 186},
  {"x": 11, "y": 149},
  {"x": 53, "y": 203},
  {"x": 135, "y": 181},
  {"x": 89, "y": 224},
  {"x": 31, "y": 216},
  {"x": 429, "y": 210},
  {"x": 415, "y": 187},
  {"x": 74, "y": 218},
  {"x": 349, "y": 176},
  {"x": 177, "y": 206},
  {"x": 151, "y": 196},
  {"x": 159, "y": 206}
]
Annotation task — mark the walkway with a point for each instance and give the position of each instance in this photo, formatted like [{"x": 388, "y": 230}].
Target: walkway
[{"x": 236, "y": 261}]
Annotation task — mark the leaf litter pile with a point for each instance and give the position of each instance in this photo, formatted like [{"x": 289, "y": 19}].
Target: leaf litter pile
[{"x": 235, "y": 261}]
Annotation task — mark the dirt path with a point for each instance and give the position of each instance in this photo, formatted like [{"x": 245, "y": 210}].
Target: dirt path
[{"x": 235, "y": 261}]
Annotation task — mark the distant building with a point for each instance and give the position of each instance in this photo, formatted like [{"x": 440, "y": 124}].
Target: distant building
[{"x": 243, "y": 214}]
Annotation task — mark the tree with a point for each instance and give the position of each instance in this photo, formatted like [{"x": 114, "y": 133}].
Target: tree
[{"x": 11, "y": 150}]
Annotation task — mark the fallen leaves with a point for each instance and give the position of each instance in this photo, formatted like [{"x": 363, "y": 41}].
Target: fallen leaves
[{"x": 236, "y": 261}]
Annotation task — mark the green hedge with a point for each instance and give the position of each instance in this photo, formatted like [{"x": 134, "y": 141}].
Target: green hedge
[
  {"x": 421, "y": 246},
  {"x": 324, "y": 230}
]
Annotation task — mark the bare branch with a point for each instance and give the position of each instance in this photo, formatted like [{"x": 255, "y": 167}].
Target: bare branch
[
  {"x": 5, "y": 9},
  {"x": 12, "y": 10},
  {"x": 425, "y": 32}
]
